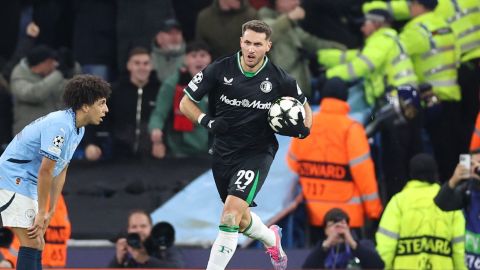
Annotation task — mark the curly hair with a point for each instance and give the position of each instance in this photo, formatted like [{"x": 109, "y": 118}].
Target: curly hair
[{"x": 85, "y": 89}]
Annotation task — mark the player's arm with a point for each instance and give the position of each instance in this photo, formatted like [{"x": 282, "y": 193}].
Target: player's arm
[
  {"x": 190, "y": 109},
  {"x": 44, "y": 185},
  {"x": 56, "y": 189},
  {"x": 308, "y": 115}
]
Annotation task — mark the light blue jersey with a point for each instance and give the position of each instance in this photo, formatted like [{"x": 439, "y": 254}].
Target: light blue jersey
[{"x": 53, "y": 136}]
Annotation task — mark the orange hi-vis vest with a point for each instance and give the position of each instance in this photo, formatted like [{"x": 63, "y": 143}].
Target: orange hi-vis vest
[
  {"x": 335, "y": 167},
  {"x": 475, "y": 142},
  {"x": 58, "y": 232}
]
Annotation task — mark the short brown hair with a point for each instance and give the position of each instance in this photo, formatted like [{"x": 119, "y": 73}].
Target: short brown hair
[
  {"x": 85, "y": 89},
  {"x": 137, "y": 51},
  {"x": 257, "y": 26}
]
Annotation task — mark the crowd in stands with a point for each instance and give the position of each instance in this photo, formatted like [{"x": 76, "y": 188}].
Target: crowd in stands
[{"x": 418, "y": 65}]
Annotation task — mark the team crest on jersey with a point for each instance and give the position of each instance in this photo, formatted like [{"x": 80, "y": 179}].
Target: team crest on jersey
[
  {"x": 266, "y": 86},
  {"x": 197, "y": 78}
]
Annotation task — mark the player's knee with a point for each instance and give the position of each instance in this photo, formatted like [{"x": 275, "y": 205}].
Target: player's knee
[{"x": 36, "y": 243}]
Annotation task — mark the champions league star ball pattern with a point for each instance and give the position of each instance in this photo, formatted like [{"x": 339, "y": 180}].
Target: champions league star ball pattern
[
  {"x": 284, "y": 108},
  {"x": 58, "y": 141}
]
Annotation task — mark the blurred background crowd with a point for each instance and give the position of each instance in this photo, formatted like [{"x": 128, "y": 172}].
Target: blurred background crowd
[{"x": 397, "y": 83}]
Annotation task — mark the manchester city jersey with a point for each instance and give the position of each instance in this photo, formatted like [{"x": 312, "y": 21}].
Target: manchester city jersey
[
  {"x": 53, "y": 136},
  {"x": 243, "y": 100}
]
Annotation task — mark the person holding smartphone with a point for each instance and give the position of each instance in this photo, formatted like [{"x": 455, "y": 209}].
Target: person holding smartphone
[
  {"x": 462, "y": 192},
  {"x": 340, "y": 249}
]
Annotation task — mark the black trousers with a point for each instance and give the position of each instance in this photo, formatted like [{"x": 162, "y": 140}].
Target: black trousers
[
  {"x": 445, "y": 130},
  {"x": 399, "y": 143}
]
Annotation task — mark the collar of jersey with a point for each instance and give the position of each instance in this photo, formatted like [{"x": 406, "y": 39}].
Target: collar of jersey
[
  {"x": 74, "y": 119},
  {"x": 247, "y": 73}
]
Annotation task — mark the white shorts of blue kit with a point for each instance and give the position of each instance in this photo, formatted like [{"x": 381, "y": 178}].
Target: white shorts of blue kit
[{"x": 17, "y": 210}]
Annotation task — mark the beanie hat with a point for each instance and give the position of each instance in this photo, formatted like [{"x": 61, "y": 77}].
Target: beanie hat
[
  {"x": 423, "y": 167},
  {"x": 335, "y": 88},
  {"x": 429, "y": 4},
  {"x": 379, "y": 15},
  {"x": 39, "y": 54}
]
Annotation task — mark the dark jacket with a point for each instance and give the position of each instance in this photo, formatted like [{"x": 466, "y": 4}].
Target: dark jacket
[
  {"x": 137, "y": 23},
  {"x": 94, "y": 32},
  {"x": 365, "y": 252},
  {"x": 449, "y": 199},
  {"x": 121, "y": 120},
  {"x": 222, "y": 30},
  {"x": 333, "y": 20}
]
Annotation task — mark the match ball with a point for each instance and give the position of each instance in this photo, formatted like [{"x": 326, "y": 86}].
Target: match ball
[{"x": 286, "y": 109}]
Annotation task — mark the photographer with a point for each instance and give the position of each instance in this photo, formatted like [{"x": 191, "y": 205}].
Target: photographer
[
  {"x": 139, "y": 249},
  {"x": 339, "y": 249},
  {"x": 462, "y": 192}
]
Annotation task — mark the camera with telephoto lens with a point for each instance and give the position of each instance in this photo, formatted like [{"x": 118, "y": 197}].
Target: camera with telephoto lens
[
  {"x": 134, "y": 240},
  {"x": 161, "y": 238}
]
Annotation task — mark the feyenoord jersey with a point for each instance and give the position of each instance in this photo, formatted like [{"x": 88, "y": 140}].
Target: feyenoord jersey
[{"x": 243, "y": 101}]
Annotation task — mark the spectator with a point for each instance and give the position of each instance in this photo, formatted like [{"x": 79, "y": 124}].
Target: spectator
[
  {"x": 430, "y": 42},
  {"x": 24, "y": 45},
  {"x": 186, "y": 12},
  {"x": 94, "y": 36},
  {"x": 333, "y": 20},
  {"x": 137, "y": 22},
  {"x": 37, "y": 85},
  {"x": 414, "y": 233},
  {"x": 55, "y": 18},
  {"x": 220, "y": 24},
  {"x": 334, "y": 163},
  {"x": 340, "y": 248},
  {"x": 131, "y": 103},
  {"x": 462, "y": 192},
  {"x": 290, "y": 39},
  {"x": 167, "y": 123},
  {"x": 6, "y": 114},
  {"x": 130, "y": 251},
  {"x": 383, "y": 65},
  {"x": 168, "y": 49}
]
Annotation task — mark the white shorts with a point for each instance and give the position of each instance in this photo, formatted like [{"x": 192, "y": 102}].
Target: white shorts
[{"x": 17, "y": 210}]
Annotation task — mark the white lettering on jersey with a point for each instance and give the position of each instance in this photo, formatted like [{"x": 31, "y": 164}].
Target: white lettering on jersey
[{"x": 256, "y": 104}]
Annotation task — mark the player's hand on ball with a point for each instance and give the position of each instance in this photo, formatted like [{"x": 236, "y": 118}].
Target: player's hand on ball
[
  {"x": 297, "y": 130},
  {"x": 216, "y": 125}
]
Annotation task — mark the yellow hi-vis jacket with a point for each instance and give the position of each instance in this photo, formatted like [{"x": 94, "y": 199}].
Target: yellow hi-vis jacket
[
  {"x": 383, "y": 60},
  {"x": 415, "y": 234},
  {"x": 430, "y": 43},
  {"x": 463, "y": 16}
]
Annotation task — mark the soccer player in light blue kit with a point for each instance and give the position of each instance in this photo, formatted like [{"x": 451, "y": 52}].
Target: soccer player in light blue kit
[{"x": 34, "y": 165}]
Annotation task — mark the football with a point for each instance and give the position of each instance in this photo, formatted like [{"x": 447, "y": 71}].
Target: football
[{"x": 284, "y": 108}]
